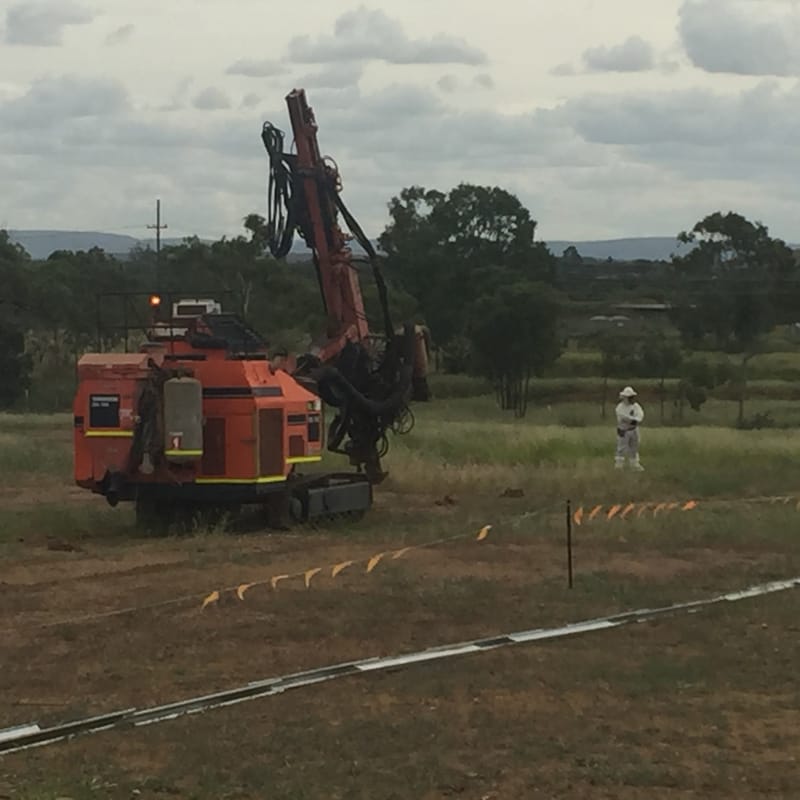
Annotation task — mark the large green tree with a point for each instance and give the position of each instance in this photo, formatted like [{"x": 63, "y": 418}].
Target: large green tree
[
  {"x": 15, "y": 310},
  {"x": 725, "y": 243},
  {"x": 443, "y": 248},
  {"x": 741, "y": 278},
  {"x": 14, "y": 265},
  {"x": 15, "y": 364},
  {"x": 513, "y": 332},
  {"x": 733, "y": 282},
  {"x": 736, "y": 283},
  {"x": 78, "y": 293}
]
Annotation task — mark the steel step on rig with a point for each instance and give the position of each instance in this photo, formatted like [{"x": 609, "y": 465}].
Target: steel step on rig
[{"x": 201, "y": 420}]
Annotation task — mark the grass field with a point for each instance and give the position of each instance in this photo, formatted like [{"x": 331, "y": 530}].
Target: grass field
[
  {"x": 699, "y": 706},
  {"x": 783, "y": 364}
]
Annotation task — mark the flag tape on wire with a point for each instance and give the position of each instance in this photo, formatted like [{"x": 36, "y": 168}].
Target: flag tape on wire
[
  {"x": 242, "y": 589},
  {"x": 334, "y": 570},
  {"x": 624, "y": 511},
  {"x": 23, "y": 737}
]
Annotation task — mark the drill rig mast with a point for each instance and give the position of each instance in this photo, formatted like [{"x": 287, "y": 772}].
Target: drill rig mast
[{"x": 369, "y": 383}]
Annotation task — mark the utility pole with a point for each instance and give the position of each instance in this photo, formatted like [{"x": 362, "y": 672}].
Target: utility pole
[{"x": 158, "y": 228}]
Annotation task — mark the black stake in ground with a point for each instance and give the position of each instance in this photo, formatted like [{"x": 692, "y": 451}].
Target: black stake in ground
[{"x": 569, "y": 541}]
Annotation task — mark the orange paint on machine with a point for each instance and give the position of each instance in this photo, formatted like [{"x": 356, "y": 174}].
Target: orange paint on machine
[{"x": 202, "y": 418}]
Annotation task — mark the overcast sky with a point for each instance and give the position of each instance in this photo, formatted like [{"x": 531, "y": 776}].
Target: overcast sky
[{"x": 608, "y": 118}]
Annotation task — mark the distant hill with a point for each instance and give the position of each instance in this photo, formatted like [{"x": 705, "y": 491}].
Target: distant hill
[{"x": 40, "y": 244}]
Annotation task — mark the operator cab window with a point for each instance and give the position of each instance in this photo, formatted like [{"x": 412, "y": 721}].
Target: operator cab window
[{"x": 104, "y": 411}]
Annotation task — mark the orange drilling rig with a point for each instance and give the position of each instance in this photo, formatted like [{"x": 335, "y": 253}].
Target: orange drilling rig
[{"x": 202, "y": 419}]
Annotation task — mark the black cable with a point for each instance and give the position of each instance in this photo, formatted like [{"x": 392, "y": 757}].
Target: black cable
[
  {"x": 281, "y": 219},
  {"x": 283, "y": 213}
]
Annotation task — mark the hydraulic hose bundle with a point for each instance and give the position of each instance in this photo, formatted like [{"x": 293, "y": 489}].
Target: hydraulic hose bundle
[
  {"x": 370, "y": 399},
  {"x": 281, "y": 221}
]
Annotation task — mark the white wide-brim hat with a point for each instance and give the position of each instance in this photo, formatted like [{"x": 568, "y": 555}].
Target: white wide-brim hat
[{"x": 628, "y": 391}]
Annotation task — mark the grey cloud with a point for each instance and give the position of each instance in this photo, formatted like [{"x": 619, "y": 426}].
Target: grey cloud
[
  {"x": 669, "y": 66},
  {"x": 50, "y": 100},
  {"x": 391, "y": 103},
  {"x": 384, "y": 140},
  {"x": 372, "y": 35},
  {"x": 42, "y": 23},
  {"x": 334, "y": 76},
  {"x": 402, "y": 126},
  {"x": 179, "y": 95},
  {"x": 741, "y": 36},
  {"x": 121, "y": 35},
  {"x": 251, "y": 100},
  {"x": 211, "y": 99},
  {"x": 632, "y": 55},
  {"x": 563, "y": 70},
  {"x": 656, "y": 162},
  {"x": 690, "y": 117},
  {"x": 148, "y": 133},
  {"x": 697, "y": 134},
  {"x": 448, "y": 84},
  {"x": 255, "y": 68}
]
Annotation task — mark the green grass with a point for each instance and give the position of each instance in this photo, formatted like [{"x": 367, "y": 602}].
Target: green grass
[
  {"x": 449, "y": 387},
  {"x": 469, "y": 446},
  {"x": 25, "y": 455},
  {"x": 672, "y": 705},
  {"x": 35, "y": 445},
  {"x": 36, "y": 424},
  {"x": 78, "y": 521},
  {"x": 581, "y": 409}
]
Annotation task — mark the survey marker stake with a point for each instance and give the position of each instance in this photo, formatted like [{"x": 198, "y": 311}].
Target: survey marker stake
[{"x": 569, "y": 542}]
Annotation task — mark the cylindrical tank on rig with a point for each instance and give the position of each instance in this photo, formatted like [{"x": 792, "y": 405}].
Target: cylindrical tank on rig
[{"x": 183, "y": 420}]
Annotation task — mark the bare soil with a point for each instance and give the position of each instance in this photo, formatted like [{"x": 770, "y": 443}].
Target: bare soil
[{"x": 704, "y": 706}]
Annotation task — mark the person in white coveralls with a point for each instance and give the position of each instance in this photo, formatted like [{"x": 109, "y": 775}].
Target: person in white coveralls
[{"x": 630, "y": 416}]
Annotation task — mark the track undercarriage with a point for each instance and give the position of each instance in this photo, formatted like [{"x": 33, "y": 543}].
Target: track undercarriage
[{"x": 301, "y": 500}]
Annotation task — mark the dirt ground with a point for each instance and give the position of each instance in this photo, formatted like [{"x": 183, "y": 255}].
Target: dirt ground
[{"x": 702, "y": 706}]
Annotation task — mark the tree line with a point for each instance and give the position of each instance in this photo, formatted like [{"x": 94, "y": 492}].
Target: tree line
[{"x": 466, "y": 263}]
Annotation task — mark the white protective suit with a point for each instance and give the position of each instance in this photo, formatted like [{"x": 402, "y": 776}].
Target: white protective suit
[{"x": 629, "y": 416}]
